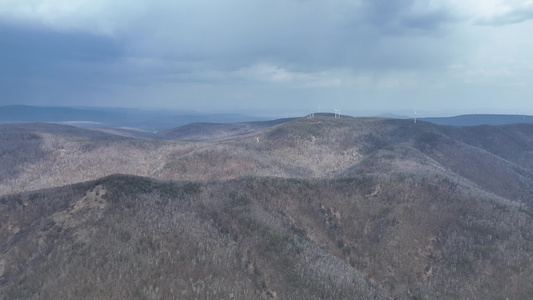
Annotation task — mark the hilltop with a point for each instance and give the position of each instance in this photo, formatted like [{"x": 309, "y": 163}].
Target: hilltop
[{"x": 202, "y": 131}]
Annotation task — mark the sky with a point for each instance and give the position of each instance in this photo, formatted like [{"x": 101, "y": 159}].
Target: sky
[{"x": 294, "y": 56}]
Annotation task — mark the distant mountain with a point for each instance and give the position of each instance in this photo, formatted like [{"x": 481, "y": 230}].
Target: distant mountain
[
  {"x": 168, "y": 122},
  {"x": 24, "y": 113},
  {"x": 116, "y": 117},
  {"x": 480, "y": 119},
  {"x": 75, "y": 132},
  {"x": 134, "y": 121}
]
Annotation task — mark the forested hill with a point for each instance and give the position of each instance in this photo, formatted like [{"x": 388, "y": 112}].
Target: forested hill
[
  {"x": 314, "y": 208},
  {"x": 360, "y": 237}
]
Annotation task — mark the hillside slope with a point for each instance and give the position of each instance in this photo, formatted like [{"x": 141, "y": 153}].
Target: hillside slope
[
  {"x": 130, "y": 237},
  {"x": 354, "y": 238}
]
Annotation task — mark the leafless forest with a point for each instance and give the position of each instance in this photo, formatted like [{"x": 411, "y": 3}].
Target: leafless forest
[{"x": 312, "y": 208}]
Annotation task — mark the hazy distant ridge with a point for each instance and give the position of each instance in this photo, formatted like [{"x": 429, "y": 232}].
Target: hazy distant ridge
[
  {"x": 102, "y": 117},
  {"x": 480, "y": 119}
]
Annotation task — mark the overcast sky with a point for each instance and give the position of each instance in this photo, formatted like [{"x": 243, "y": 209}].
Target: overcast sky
[{"x": 459, "y": 56}]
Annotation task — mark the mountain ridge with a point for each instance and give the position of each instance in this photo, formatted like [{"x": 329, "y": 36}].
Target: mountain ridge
[{"x": 158, "y": 120}]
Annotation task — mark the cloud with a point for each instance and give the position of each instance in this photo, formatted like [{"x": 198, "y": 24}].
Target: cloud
[
  {"x": 265, "y": 74},
  {"x": 301, "y": 35},
  {"x": 511, "y": 17},
  {"x": 39, "y": 63},
  {"x": 493, "y": 12},
  {"x": 46, "y": 44},
  {"x": 98, "y": 17},
  {"x": 291, "y": 50},
  {"x": 407, "y": 16}
]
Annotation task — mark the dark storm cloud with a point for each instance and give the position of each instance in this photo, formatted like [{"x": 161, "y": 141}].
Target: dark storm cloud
[
  {"x": 282, "y": 52},
  {"x": 398, "y": 35},
  {"x": 35, "y": 50},
  {"x": 300, "y": 35},
  {"x": 40, "y": 61},
  {"x": 406, "y": 16}
]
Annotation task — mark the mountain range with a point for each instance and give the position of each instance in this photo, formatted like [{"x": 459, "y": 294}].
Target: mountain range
[
  {"x": 306, "y": 208},
  {"x": 150, "y": 121}
]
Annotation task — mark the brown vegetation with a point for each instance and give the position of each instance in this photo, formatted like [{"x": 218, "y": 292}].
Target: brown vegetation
[{"x": 318, "y": 208}]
